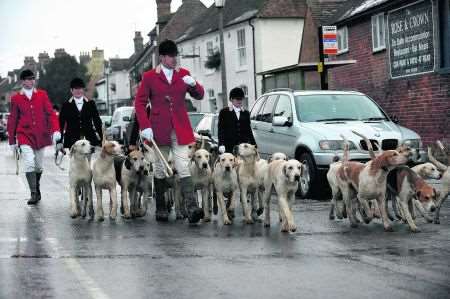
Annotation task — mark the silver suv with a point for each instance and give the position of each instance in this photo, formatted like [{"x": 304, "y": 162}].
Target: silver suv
[{"x": 306, "y": 125}]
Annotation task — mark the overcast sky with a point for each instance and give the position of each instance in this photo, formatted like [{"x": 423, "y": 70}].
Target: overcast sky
[{"x": 28, "y": 27}]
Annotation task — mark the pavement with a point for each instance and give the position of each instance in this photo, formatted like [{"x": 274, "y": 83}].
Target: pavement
[{"x": 46, "y": 254}]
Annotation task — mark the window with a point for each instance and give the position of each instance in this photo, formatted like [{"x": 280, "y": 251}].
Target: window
[
  {"x": 342, "y": 39},
  {"x": 378, "y": 32},
  {"x": 209, "y": 48},
  {"x": 284, "y": 107},
  {"x": 210, "y": 93},
  {"x": 266, "y": 114},
  {"x": 444, "y": 33},
  {"x": 241, "y": 50},
  {"x": 245, "y": 101},
  {"x": 256, "y": 108}
]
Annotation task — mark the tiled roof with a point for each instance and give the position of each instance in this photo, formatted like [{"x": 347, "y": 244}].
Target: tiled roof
[
  {"x": 118, "y": 64},
  {"x": 184, "y": 17},
  {"x": 324, "y": 11},
  {"x": 283, "y": 9}
]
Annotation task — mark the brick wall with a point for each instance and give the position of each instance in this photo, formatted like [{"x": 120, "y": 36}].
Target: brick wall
[{"x": 422, "y": 102}]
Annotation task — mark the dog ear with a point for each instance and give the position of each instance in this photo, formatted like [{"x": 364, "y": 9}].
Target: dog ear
[
  {"x": 285, "y": 170},
  {"x": 72, "y": 149},
  {"x": 127, "y": 163}
]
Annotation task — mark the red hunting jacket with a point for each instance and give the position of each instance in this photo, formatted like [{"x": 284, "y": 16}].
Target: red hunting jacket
[
  {"x": 32, "y": 122},
  {"x": 168, "y": 109}
]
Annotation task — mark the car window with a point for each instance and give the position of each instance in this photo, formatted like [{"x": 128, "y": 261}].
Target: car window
[
  {"x": 284, "y": 107},
  {"x": 204, "y": 124},
  {"x": 116, "y": 117},
  {"x": 256, "y": 108},
  {"x": 265, "y": 114},
  {"x": 329, "y": 107}
]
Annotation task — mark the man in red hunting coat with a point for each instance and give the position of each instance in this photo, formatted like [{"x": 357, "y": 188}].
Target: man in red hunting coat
[
  {"x": 32, "y": 125},
  {"x": 166, "y": 87}
]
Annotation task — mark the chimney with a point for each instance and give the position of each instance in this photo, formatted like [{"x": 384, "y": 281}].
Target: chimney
[
  {"x": 163, "y": 7},
  {"x": 138, "y": 42}
]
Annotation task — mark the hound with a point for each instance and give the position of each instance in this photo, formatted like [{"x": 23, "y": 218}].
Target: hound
[
  {"x": 80, "y": 178},
  {"x": 335, "y": 191},
  {"x": 225, "y": 182},
  {"x": 445, "y": 179},
  {"x": 284, "y": 176},
  {"x": 247, "y": 180},
  {"x": 104, "y": 177},
  {"x": 411, "y": 186},
  {"x": 128, "y": 175},
  {"x": 201, "y": 177},
  {"x": 369, "y": 182}
]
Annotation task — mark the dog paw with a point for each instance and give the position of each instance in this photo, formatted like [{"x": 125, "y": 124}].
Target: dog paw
[
  {"x": 248, "y": 221},
  {"x": 388, "y": 229},
  {"x": 126, "y": 216},
  {"x": 206, "y": 219},
  {"x": 227, "y": 222},
  {"x": 415, "y": 230},
  {"x": 100, "y": 218},
  {"x": 437, "y": 221},
  {"x": 332, "y": 217},
  {"x": 292, "y": 228}
]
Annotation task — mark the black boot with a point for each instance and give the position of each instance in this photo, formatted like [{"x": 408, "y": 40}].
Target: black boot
[
  {"x": 195, "y": 213},
  {"x": 31, "y": 178},
  {"x": 38, "y": 185},
  {"x": 161, "y": 213}
]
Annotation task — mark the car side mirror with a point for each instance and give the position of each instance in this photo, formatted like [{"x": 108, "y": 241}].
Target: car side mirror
[
  {"x": 394, "y": 119},
  {"x": 280, "y": 121},
  {"x": 206, "y": 133},
  {"x": 107, "y": 124},
  {"x": 126, "y": 118}
]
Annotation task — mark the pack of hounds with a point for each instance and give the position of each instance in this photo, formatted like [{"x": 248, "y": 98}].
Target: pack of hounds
[{"x": 222, "y": 181}]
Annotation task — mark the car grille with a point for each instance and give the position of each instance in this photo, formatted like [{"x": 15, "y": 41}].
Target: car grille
[{"x": 386, "y": 144}]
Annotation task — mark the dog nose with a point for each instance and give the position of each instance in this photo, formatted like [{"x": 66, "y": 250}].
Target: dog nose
[
  {"x": 227, "y": 168},
  {"x": 141, "y": 168},
  {"x": 205, "y": 165},
  {"x": 92, "y": 149},
  {"x": 146, "y": 172},
  {"x": 297, "y": 178},
  {"x": 433, "y": 208}
]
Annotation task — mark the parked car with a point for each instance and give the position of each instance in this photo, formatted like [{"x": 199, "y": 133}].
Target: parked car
[
  {"x": 306, "y": 125},
  {"x": 119, "y": 121},
  {"x": 4, "y": 118},
  {"x": 207, "y": 127},
  {"x": 195, "y": 118},
  {"x": 3, "y": 132}
]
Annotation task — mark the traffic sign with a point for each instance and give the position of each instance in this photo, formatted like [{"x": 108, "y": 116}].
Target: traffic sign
[{"x": 329, "y": 39}]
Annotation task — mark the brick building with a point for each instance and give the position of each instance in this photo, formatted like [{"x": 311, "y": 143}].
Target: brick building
[{"x": 402, "y": 49}]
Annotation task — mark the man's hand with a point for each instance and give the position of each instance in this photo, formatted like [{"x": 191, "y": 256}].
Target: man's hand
[
  {"x": 221, "y": 149},
  {"x": 189, "y": 81},
  {"x": 56, "y": 137},
  {"x": 147, "y": 134}
]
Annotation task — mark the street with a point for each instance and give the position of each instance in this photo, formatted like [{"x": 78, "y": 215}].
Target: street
[{"x": 46, "y": 254}]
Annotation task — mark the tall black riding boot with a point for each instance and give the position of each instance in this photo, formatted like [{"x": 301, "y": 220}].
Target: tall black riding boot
[
  {"x": 38, "y": 185},
  {"x": 195, "y": 213},
  {"x": 161, "y": 213},
  {"x": 31, "y": 178}
]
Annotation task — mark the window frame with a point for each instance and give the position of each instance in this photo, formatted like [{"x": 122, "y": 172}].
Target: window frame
[
  {"x": 444, "y": 36},
  {"x": 375, "y": 23},
  {"x": 339, "y": 39},
  {"x": 241, "y": 47}
]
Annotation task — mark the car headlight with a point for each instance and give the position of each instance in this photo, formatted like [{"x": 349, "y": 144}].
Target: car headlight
[
  {"x": 413, "y": 143},
  {"x": 334, "y": 145}
]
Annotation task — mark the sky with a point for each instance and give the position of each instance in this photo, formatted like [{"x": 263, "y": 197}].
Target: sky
[{"x": 28, "y": 27}]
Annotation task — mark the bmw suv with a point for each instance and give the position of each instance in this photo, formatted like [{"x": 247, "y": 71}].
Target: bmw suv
[{"x": 306, "y": 125}]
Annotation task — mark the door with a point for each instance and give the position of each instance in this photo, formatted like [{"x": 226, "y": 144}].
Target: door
[
  {"x": 263, "y": 125},
  {"x": 282, "y": 139}
]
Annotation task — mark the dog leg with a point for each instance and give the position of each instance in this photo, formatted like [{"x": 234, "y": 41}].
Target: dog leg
[
  {"x": 88, "y": 189},
  {"x": 290, "y": 214},
  {"x": 332, "y": 207},
  {"x": 284, "y": 212},
  {"x": 266, "y": 198},
  {"x": 113, "y": 212},
  {"x": 347, "y": 197},
  {"x": 98, "y": 193},
  {"x": 133, "y": 202},
  {"x": 444, "y": 196},
  {"x": 422, "y": 211},
  {"x": 83, "y": 200},
  {"x": 124, "y": 199},
  {"x": 260, "y": 193},
  {"x": 405, "y": 209},
  {"x": 245, "y": 206},
  {"x": 384, "y": 217},
  {"x": 73, "y": 202},
  {"x": 205, "y": 204},
  {"x": 221, "y": 202}
]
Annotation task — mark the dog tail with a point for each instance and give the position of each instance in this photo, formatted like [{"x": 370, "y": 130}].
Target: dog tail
[
  {"x": 369, "y": 144},
  {"x": 345, "y": 154}
]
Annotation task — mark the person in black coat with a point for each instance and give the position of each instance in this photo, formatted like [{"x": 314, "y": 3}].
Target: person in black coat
[
  {"x": 234, "y": 123},
  {"x": 79, "y": 117}
]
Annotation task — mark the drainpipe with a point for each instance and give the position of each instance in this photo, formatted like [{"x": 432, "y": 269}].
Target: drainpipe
[{"x": 254, "y": 56}]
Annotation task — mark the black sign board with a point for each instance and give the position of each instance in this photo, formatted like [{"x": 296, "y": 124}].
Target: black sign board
[{"x": 411, "y": 46}]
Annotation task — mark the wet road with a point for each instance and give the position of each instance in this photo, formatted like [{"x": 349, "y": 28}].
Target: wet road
[{"x": 46, "y": 254}]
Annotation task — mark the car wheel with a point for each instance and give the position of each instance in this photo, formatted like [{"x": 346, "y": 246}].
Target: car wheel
[{"x": 308, "y": 178}]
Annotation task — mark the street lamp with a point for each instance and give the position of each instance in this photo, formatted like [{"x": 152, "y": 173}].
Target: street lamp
[{"x": 220, "y": 4}]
